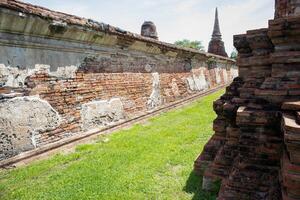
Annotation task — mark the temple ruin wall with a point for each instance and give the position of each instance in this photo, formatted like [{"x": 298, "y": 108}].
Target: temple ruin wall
[{"x": 61, "y": 75}]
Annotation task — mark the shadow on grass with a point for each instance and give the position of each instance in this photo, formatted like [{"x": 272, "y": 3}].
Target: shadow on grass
[{"x": 194, "y": 186}]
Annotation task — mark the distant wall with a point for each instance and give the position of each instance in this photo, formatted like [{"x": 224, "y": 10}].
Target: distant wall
[{"x": 61, "y": 75}]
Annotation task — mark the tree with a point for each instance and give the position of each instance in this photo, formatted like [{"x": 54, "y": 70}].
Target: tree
[
  {"x": 234, "y": 54},
  {"x": 190, "y": 44}
]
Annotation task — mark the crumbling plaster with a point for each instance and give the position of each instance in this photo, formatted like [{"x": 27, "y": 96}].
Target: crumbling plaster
[
  {"x": 21, "y": 121},
  {"x": 155, "y": 99},
  {"x": 101, "y": 113},
  {"x": 197, "y": 82},
  {"x": 16, "y": 77}
]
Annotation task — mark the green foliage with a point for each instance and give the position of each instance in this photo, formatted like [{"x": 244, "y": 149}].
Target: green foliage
[
  {"x": 153, "y": 160},
  {"x": 211, "y": 62},
  {"x": 234, "y": 54},
  {"x": 190, "y": 44}
]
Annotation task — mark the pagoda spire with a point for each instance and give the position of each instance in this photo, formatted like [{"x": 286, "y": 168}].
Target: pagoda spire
[
  {"x": 216, "y": 32},
  {"x": 216, "y": 45}
]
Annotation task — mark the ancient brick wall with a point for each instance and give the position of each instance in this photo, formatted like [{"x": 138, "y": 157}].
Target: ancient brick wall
[
  {"x": 255, "y": 150},
  {"x": 287, "y": 8},
  {"x": 61, "y": 75}
]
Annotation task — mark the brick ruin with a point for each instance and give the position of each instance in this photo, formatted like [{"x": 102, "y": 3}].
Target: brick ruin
[
  {"x": 62, "y": 75},
  {"x": 255, "y": 150}
]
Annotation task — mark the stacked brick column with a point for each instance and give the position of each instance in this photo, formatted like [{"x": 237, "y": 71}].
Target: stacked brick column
[
  {"x": 290, "y": 163},
  {"x": 252, "y": 152}
]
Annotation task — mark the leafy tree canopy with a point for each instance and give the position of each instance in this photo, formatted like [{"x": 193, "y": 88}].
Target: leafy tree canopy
[
  {"x": 234, "y": 54},
  {"x": 190, "y": 44}
]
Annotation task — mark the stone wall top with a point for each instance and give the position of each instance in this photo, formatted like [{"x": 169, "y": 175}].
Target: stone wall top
[{"x": 38, "y": 21}]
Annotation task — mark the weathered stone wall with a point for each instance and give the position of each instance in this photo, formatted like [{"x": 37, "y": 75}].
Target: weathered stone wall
[
  {"x": 61, "y": 75},
  {"x": 255, "y": 150}
]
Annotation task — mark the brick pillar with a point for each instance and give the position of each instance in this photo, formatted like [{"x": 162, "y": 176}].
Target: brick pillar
[
  {"x": 284, "y": 32},
  {"x": 286, "y": 8},
  {"x": 255, "y": 150}
]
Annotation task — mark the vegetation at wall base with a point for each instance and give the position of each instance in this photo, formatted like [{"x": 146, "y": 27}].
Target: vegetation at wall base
[{"x": 153, "y": 160}]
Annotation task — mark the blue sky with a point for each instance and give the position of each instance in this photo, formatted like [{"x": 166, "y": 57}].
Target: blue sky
[{"x": 175, "y": 19}]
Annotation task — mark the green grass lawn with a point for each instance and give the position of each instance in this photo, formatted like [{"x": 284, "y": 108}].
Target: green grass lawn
[{"x": 148, "y": 161}]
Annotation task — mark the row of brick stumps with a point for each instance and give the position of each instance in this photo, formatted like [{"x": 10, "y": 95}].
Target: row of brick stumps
[{"x": 255, "y": 150}]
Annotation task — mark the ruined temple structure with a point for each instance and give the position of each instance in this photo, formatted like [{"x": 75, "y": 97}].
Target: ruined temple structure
[
  {"x": 149, "y": 30},
  {"x": 64, "y": 77},
  {"x": 216, "y": 45},
  {"x": 255, "y": 150}
]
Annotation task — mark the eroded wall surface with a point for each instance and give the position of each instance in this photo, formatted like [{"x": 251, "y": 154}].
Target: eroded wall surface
[{"x": 61, "y": 75}]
